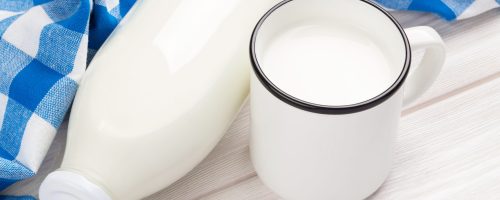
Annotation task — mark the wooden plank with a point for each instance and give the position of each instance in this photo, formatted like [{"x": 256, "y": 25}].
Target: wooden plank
[
  {"x": 449, "y": 150},
  {"x": 472, "y": 49},
  {"x": 251, "y": 189}
]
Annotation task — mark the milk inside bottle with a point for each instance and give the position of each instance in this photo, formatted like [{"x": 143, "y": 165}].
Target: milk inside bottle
[{"x": 156, "y": 98}]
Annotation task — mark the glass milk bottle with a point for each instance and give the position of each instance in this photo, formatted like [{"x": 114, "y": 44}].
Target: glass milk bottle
[{"x": 156, "y": 98}]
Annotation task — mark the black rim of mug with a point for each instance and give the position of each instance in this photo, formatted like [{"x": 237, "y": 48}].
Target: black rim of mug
[{"x": 325, "y": 109}]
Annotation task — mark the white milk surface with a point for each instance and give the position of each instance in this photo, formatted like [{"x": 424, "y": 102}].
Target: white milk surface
[{"x": 326, "y": 64}]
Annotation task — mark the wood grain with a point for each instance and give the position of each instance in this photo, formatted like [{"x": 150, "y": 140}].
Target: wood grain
[
  {"x": 449, "y": 150},
  {"x": 446, "y": 148}
]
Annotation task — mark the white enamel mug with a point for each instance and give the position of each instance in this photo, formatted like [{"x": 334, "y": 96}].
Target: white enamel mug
[{"x": 303, "y": 149}]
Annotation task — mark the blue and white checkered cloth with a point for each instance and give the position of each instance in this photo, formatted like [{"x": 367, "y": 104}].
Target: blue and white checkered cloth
[
  {"x": 17, "y": 198},
  {"x": 45, "y": 46},
  {"x": 448, "y": 9}
]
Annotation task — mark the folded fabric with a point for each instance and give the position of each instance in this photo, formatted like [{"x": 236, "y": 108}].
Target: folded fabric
[
  {"x": 45, "y": 46},
  {"x": 17, "y": 198},
  {"x": 43, "y": 54},
  {"x": 448, "y": 9}
]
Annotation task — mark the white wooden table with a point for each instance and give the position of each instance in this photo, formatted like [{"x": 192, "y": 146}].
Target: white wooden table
[{"x": 448, "y": 146}]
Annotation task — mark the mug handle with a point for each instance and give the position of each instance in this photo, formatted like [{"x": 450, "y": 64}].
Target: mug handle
[{"x": 422, "y": 76}]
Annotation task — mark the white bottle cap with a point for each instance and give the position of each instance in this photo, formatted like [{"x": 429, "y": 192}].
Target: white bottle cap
[{"x": 66, "y": 185}]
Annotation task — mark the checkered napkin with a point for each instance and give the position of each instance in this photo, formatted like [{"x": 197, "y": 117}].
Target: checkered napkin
[
  {"x": 448, "y": 9},
  {"x": 44, "y": 49},
  {"x": 44, "y": 46},
  {"x": 17, "y": 198}
]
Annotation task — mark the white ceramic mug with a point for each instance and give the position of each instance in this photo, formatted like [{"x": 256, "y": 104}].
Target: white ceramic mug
[{"x": 307, "y": 149}]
